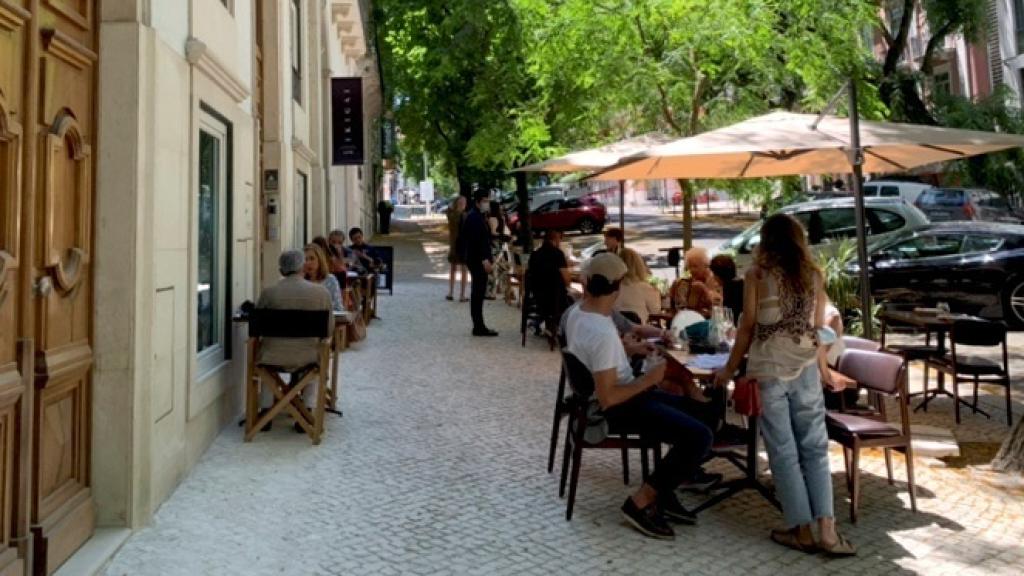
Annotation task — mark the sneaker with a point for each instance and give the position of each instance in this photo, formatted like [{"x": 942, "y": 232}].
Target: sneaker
[
  {"x": 648, "y": 521},
  {"x": 701, "y": 481},
  {"x": 674, "y": 511}
]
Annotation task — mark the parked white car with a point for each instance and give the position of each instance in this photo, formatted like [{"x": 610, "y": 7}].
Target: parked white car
[
  {"x": 908, "y": 191},
  {"x": 829, "y": 222}
]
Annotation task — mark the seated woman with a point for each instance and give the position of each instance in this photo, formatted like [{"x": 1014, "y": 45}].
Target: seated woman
[
  {"x": 636, "y": 296},
  {"x": 701, "y": 291},
  {"x": 317, "y": 270},
  {"x": 724, "y": 268}
]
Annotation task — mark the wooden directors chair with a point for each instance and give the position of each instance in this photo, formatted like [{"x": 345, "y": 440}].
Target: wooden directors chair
[{"x": 267, "y": 323}]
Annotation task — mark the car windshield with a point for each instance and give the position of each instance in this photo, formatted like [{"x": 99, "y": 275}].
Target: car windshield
[{"x": 942, "y": 197}]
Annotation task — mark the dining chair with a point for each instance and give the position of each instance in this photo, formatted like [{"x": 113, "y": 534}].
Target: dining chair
[
  {"x": 964, "y": 367},
  {"x": 581, "y": 382},
  {"x": 273, "y": 323},
  {"x": 912, "y": 353},
  {"x": 885, "y": 375}
]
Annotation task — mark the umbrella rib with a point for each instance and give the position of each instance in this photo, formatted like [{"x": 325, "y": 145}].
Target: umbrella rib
[
  {"x": 746, "y": 166},
  {"x": 884, "y": 159},
  {"x": 941, "y": 149}
]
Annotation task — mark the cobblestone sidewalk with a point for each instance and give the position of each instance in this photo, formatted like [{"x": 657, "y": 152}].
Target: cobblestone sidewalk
[{"x": 438, "y": 467}]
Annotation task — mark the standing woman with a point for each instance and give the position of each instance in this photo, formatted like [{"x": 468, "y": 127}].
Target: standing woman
[
  {"x": 317, "y": 270},
  {"x": 783, "y": 315},
  {"x": 496, "y": 220},
  {"x": 456, "y": 215}
]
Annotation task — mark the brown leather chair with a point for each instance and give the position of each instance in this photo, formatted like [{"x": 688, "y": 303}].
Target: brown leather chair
[
  {"x": 964, "y": 367},
  {"x": 885, "y": 375}
]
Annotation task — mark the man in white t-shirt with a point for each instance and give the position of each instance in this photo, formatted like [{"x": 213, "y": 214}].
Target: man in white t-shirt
[{"x": 634, "y": 403}]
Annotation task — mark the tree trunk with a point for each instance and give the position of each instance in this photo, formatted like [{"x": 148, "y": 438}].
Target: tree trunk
[
  {"x": 1011, "y": 455},
  {"x": 684, "y": 191}
]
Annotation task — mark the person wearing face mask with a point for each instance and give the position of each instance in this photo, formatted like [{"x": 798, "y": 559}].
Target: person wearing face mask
[{"x": 476, "y": 243}]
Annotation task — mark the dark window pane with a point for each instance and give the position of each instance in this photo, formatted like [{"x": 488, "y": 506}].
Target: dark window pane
[
  {"x": 978, "y": 244},
  {"x": 882, "y": 221},
  {"x": 837, "y": 224},
  {"x": 209, "y": 230}
]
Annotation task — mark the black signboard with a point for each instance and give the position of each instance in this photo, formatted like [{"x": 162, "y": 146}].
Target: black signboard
[{"x": 347, "y": 121}]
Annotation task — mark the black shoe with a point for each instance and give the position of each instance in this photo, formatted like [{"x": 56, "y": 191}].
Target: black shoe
[
  {"x": 484, "y": 332},
  {"x": 670, "y": 507},
  {"x": 701, "y": 481},
  {"x": 648, "y": 521},
  {"x": 298, "y": 428},
  {"x": 732, "y": 435}
]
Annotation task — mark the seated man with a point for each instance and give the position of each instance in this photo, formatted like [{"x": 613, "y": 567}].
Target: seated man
[
  {"x": 701, "y": 291},
  {"x": 635, "y": 403},
  {"x": 293, "y": 292},
  {"x": 362, "y": 253},
  {"x": 548, "y": 279}
]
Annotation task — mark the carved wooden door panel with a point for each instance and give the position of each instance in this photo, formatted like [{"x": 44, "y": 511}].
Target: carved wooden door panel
[
  {"x": 47, "y": 129},
  {"x": 15, "y": 352}
]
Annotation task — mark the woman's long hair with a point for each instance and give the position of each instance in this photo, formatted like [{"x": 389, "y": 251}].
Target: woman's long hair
[
  {"x": 323, "y": 268},
  {"x": 784, "y": 249},
  {"x": 636, "y": 268}
]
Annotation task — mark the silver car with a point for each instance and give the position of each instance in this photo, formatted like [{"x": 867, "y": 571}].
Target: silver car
[{"x": 829, "y": 222}]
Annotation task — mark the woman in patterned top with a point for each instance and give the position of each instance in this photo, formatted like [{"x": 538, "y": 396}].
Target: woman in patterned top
[{"x": 783, "y": 314}]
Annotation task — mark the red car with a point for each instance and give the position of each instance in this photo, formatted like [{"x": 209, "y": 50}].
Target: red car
[{"x": 585, "y": 214}]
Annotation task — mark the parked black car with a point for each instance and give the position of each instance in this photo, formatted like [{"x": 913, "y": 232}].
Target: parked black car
[{"x": 976, "y": 267}]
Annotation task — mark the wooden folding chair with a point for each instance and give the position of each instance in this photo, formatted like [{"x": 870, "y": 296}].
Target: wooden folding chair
[
  {"x": 338, "y": 343},
  {"x": 267, "y": 323}
]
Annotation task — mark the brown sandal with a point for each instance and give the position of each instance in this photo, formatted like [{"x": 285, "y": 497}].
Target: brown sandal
[
  {"x": 842, "y": 547},
  {"x": 790, "y": 539}
]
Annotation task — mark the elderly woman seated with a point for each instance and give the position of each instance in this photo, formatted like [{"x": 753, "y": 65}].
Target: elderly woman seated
[{"x": 701, "y": 291}]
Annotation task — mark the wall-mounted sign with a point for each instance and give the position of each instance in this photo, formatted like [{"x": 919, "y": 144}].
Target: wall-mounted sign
[
  {"x": 388, "y": 138},
  {"x": 270, "y": 181},
  {"x": 347, "y": 121}
]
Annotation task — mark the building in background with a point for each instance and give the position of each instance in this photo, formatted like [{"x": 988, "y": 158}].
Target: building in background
[{"x": 155, "y": 158}]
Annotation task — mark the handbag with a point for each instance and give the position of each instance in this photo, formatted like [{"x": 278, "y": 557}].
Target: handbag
[
  {"x": 357, "y": 329},
  {"x": 746, "y": 397}
]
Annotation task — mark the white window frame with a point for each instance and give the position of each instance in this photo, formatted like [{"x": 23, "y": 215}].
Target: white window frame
[{"x": 210, "y": 358}]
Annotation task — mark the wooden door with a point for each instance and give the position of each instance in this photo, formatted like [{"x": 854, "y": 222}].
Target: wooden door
[{"x": 47, "y": 128}]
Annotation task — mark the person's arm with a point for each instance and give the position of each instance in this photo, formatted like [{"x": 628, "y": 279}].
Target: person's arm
[
  {"x": 745, "y": 331},
  {"x": 652, "y": 299},
  {"x": 610, "y": 393}
]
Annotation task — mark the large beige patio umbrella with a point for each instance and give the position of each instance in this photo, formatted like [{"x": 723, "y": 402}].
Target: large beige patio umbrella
[
  {"x": 599, "y": 158},
  {"x": 784, "y": 143}
]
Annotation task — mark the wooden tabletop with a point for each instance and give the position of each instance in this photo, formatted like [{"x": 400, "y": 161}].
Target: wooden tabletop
[{"x": 684, "y": 358}]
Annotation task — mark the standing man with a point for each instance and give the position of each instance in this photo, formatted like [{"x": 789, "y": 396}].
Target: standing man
[{"x": 476, "y": 241}]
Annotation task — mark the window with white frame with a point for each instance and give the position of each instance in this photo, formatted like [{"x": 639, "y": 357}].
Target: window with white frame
[
  {"x": 213, "y": 233},
  {"x": 296, "y": 49},
  {"x": 301, "y": 204}
]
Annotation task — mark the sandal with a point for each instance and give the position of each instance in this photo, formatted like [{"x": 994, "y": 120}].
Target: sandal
[
  {"x": 448, "y": 298},
  {"x": 789, "y": 539},
  {"x": 842, "y": 547}
]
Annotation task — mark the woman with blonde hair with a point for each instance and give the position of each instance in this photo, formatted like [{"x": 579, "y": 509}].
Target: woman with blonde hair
[
  {"x": 783, "y": 329},
  {"x": 636, "y": 296},
  {"x": 318, "y": 270}
]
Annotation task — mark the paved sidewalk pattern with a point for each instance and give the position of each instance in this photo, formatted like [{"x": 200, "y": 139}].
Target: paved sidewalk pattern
[{"x": 438, "y": 467}]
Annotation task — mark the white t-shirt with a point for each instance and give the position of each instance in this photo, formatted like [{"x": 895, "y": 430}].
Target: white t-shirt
[{"x": 594, "y": 340}]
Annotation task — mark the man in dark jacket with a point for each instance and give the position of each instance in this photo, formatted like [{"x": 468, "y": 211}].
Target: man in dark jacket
[{"x": 476, "y": 242}]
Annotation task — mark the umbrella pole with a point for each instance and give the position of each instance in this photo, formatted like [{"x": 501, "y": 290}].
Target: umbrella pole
[
  {"x": 857, "y": 161},
  {"x": 622, "y": 208}
]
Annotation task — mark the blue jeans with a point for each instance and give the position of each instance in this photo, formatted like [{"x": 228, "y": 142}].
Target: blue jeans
[
  {"x": 661, "y": 417},
  {"x": 793, "y": 427}
]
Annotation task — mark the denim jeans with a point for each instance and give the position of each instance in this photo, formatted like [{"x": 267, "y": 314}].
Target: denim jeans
[
  {"x": 676, "y": 420},
  {"x": 793, "y": 427}
]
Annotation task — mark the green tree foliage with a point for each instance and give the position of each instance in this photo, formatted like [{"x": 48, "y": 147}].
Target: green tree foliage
[
  {"x": 457, "y": 81},
  {"x": 606, "y": 69}
]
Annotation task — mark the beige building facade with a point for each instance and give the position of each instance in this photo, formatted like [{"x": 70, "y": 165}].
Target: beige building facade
[{"x": 182, "y": 145}]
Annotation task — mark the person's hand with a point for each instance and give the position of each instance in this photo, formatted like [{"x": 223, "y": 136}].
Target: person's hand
[
  {"x": 723, "y": 376},
  {"x": 668, "y": 336},
  {"x": 836, "y": 381},
  {"x": 488, "y": 267}
]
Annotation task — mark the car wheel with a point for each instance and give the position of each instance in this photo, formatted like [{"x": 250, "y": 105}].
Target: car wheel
[
  {"x": 1013, "y": 302},
  {"x": 587, "y": 226}
]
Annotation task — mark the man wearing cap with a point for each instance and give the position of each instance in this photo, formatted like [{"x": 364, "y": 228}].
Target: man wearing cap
[
  {"x": 293, "y": 292},
  {"x": 476, "y": 237},
  {"x": 635, "y": 403}
]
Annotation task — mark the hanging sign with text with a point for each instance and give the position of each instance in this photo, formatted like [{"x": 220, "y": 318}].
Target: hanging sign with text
[{"x": 347, "y": 121}]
